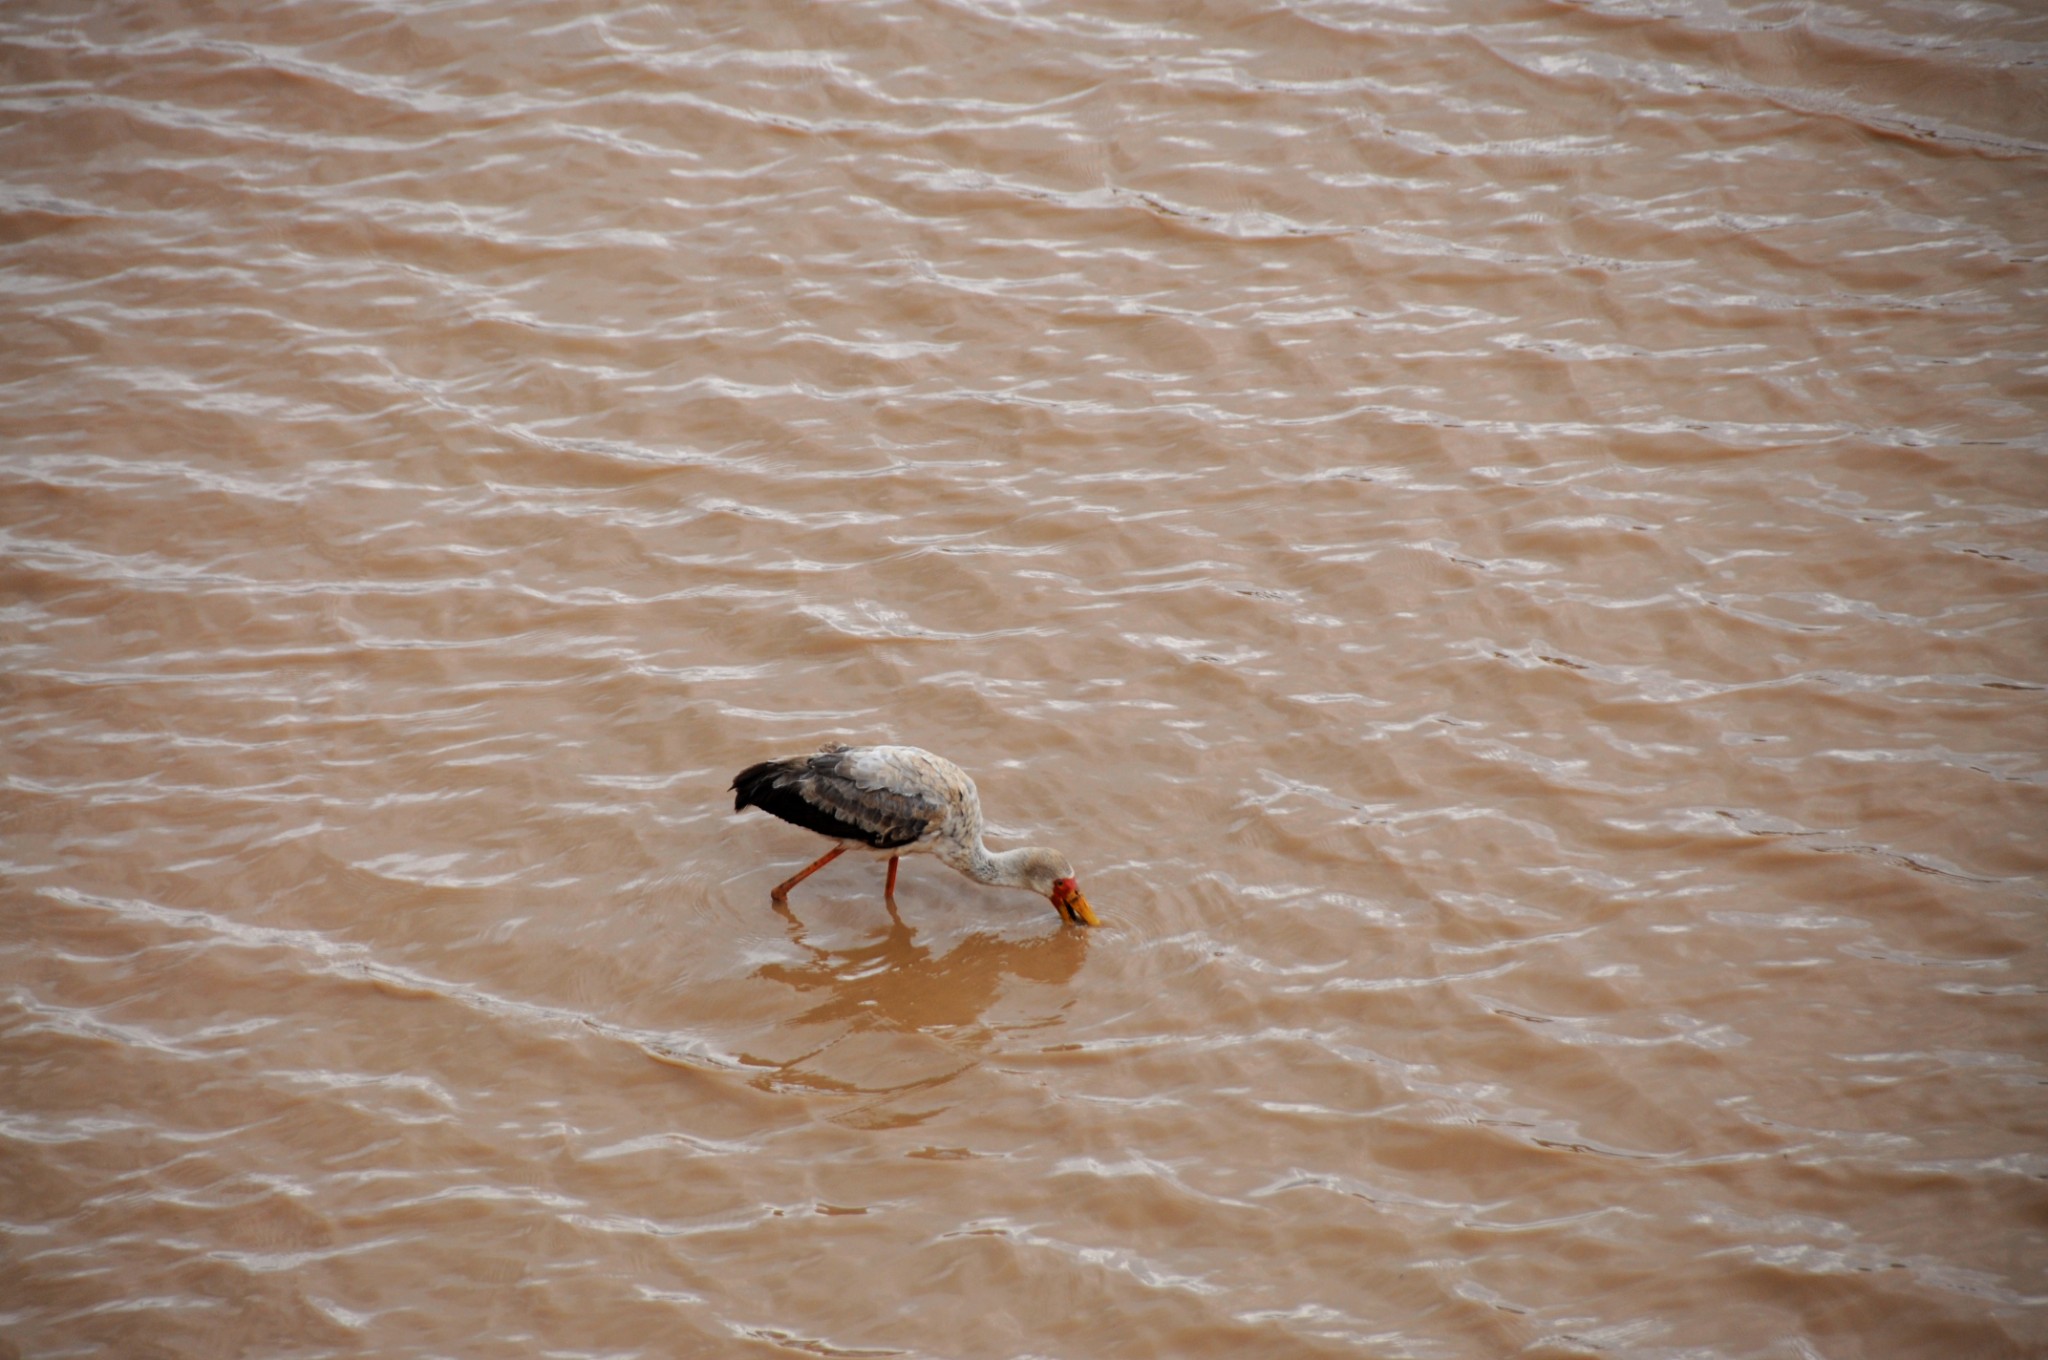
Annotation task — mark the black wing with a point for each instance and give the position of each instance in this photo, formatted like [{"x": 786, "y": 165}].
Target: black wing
[{"x": 820, "y": 793}]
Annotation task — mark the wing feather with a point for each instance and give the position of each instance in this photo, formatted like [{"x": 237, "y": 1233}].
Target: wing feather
[{"x": 840, "y": 792}]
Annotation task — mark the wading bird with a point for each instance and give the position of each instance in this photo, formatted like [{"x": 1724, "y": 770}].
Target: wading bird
[{"x": 897, "y": 801}]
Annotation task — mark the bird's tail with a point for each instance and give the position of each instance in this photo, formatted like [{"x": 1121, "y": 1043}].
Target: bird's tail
[{"x": 750, "y": 784}]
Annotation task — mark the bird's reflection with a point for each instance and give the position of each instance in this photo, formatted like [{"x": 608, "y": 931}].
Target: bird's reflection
[{"x": 897, "y": 983}]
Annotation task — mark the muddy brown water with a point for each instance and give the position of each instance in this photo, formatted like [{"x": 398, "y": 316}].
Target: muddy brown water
[{"x": 1505, "y": 540}]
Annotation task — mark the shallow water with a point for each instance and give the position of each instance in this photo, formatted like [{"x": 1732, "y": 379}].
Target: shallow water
[{"x": 1504, "y": 540}]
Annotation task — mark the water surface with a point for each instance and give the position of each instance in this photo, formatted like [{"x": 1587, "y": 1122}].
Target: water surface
[{"x": 1504, "y": 540}]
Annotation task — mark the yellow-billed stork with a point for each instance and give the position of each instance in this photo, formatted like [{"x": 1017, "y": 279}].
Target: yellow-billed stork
[{"x": 897, "y": 801}]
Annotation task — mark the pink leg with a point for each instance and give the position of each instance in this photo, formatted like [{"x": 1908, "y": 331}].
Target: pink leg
[
  {"x": 890, "y": 891},
  {"x": 781, "y": 893}
]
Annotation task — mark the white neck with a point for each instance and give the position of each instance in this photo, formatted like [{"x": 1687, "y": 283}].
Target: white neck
[
  {"x": 998, "y": 869},
  {"x": 1005, "y": 869}
]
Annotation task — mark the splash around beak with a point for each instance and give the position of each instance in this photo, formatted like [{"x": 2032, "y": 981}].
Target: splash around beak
[{"x": 1066, "y": 896}]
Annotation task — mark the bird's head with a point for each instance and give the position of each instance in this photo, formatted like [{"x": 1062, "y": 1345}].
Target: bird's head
[{"x": 1047, "y": 873}]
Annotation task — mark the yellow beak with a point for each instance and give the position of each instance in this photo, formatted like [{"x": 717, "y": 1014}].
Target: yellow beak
[{"x": 1075, "y": 908}]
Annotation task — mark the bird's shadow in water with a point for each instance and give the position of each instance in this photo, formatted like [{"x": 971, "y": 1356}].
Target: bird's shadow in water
[{"x": 896, "y": 983}]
